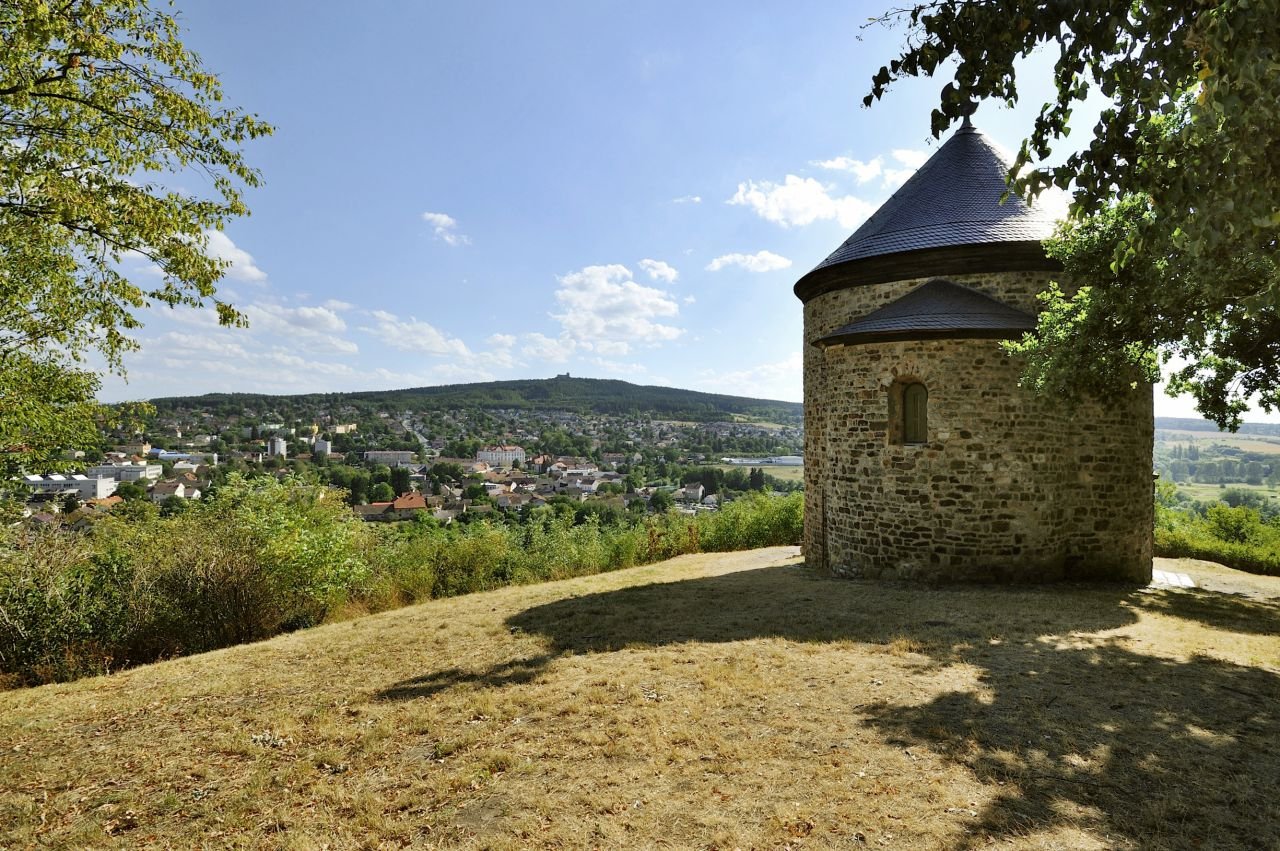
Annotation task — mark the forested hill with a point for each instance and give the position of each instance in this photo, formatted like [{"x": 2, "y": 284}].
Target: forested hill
[{"x": 603, "y": 396}]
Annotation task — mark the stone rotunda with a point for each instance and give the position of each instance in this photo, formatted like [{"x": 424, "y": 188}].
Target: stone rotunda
[{"x": 924, "y": 459}]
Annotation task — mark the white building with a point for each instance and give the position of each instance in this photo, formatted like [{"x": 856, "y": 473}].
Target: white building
[
  {"x": 501, "y": 456},
  {"x": 82, "y": 486},
  {"x": 126, "y": 472},
  {"x": 322, "y": 446},
  {"x": 277, "y": 447},
  {"x": 390, "y": 457}
]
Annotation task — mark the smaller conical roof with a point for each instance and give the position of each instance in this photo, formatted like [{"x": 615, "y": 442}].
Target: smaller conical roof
[
  {"x": 935, "y": 310},
  {"x": 949, "y": 211}
]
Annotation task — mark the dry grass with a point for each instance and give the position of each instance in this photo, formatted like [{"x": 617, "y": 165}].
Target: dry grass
[
  {"x": 1253, "y": 443},
  {"x": 1213, "y": 493},
  {"x": 716, "y": 701},
  {"x": 785, "y": 472}
]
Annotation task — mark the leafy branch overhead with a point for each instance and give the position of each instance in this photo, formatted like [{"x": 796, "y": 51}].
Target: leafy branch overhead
[
  {"x": 100, "y": 105},
  {"x": 1176, "y": 204}
]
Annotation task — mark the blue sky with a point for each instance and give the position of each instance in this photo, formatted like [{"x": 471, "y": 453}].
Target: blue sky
[{"x": 462, "y": 192}]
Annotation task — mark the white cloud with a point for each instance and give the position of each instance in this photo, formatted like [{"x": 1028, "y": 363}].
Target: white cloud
[
  {"x": 863, "y": 172},
  {"x": 457, "y": 373},
  {"x": 542, "y": 347},
  {"x": 337, "y": 305},
  {"x": 689, "y": 299},
  {"x": 687, "y": 199},
  {"x": 782, "y": 379},
  {"x": 242, "y": 268},
  {"x": 910, "y": 158},
  {"x": 446, "y": 228},
  {"x": 313, "y": 328},
  {"x": 204, "y": 346},
  {"x": 907, "y": 159},
  {"x": 659, "y": 271},
  {"x": 799, "y": 201},
  {"x": 603, "y": 303},
  {"x": 413, "y": 336},
  {"x": 761, "y": 261},
  {"x": 501, "y": 341}
]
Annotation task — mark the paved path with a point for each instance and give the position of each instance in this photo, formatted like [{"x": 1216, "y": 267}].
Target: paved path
[
  {"x": 1209, "y": 576},
  {"x": 1169, "y": 578}
]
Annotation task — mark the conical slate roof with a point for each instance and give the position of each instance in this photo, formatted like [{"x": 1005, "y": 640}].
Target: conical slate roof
[
  {"x": 935, "y": 310},
  {"x": 949, "y": 211}
]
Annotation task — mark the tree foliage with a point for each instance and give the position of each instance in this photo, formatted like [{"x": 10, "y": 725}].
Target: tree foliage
[
  {"x": 1176, "y": 197},
  {"x": 99, "y": 103}
]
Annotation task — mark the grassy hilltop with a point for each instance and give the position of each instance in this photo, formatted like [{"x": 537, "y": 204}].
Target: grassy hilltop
[{"x": 711, "y": 701}]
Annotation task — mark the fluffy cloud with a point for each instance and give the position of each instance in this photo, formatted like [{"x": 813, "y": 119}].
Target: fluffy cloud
[
  {"x": 659, "y": 271},
  {"x": 313, "y": 328},
  {"x": 863, "y": 172},
  {"x": 761, "y": 261},
  {"x": 799, "y": 201},
  {"x": 542, "y": 347},
  {"x": 501, "y": 341},
  {"x": 242, "y": 267},
  {"x": 687, "y": 199},
  {"x": 603, "y": 303},
  {"x": 782, "y": 379},
  {"x": 910, "y": 158},
  {"x": 338, "y": 306},
  {"x": 413, "y": 336},
  {"x": 446, "y": 228},
  {"x": 907, "y": 161}
]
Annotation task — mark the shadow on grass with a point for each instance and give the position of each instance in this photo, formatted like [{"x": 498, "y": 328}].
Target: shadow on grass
[
  {"x": 514, "y": 672},
  {"x": 1228, "y": 612},
  {"x": 1072, "y": 730}
]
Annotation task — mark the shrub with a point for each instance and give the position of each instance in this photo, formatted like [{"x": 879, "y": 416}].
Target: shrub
[{"x": 260, "y": 556}]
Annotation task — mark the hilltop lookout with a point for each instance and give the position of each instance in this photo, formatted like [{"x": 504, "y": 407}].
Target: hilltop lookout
[{"x": 924, "y": 459}]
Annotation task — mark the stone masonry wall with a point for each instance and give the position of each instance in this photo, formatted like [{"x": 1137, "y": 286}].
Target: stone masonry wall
[{"x": 1008, "y": 487}]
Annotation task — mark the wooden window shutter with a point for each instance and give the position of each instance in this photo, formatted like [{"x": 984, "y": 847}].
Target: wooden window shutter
[{"x": 915, "y": 414}]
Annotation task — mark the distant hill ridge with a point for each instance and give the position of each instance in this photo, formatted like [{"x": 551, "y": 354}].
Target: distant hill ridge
[
  {"x": 1197, "y": 424},
  {"x": 597, "y": 395}
]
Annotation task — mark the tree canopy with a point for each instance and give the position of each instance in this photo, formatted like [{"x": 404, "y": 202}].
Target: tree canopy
[
  {"x": 100, "y": 102},
  {"x": 1172, "y": 245}
]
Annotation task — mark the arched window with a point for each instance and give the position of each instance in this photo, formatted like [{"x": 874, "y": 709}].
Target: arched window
[{"x": 915, "y": 414}]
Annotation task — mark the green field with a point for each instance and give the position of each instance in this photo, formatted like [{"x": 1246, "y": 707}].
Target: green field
[
  {"x": 786, "y": 473},
  {"x": 1202, "y": 439},
  {"x": 1207, "y": 492}
]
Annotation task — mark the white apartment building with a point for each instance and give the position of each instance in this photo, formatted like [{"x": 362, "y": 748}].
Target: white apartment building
[
  {"x": 277, "y": 447},
  {"x": 82, "y": 486},
  {"x": 321, "y": 446},
  {"x": 501, "y": 456},
  {"x": 126, "y": 472}
]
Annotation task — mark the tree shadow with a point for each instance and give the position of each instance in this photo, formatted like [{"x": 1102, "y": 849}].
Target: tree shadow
[
  {"x": 1229, "y": 612},
  {"x": 512, "y": 672},
  {"x": 1072, "y": 728}
]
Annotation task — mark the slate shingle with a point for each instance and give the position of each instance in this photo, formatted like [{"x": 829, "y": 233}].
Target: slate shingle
[
  {"x": 938, "y": 309},
  {"x": 953, "y": 199}
]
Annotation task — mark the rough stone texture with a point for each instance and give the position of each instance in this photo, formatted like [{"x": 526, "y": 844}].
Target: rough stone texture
[{"x": 1009, "y": 487}]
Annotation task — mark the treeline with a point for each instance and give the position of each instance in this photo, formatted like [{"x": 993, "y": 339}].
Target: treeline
[{"x": 261, "y": 556}]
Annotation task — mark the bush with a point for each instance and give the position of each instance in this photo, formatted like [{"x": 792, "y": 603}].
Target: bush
[
  {"x": 1235, "y": 537},
  {"x": 260, "y": 556}
]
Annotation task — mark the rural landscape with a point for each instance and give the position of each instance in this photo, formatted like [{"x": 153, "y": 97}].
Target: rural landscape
[{"x": 504, "y": 482}]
